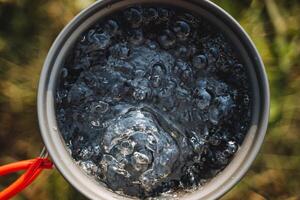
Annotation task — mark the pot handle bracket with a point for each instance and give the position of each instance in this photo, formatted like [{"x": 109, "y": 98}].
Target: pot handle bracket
[{"x": 33, "y": 168}]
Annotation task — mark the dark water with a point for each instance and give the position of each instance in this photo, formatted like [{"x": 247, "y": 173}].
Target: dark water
[{"x": 153, "y": 100}]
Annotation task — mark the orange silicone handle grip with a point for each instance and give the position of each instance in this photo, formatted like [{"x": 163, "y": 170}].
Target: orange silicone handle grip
[{"x": 33, "y": 169}]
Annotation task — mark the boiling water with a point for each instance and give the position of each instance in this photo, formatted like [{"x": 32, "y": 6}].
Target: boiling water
[{"x": 153, "y": 100}]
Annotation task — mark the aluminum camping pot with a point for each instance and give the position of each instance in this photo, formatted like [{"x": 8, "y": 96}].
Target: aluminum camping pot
[{"x": 242, "y": 160}]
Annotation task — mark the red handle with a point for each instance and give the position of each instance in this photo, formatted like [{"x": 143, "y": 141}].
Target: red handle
[{"x": 34, "y": 168}]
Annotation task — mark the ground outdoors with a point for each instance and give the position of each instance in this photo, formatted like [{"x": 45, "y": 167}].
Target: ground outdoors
[{"x": 27, "y": 29}]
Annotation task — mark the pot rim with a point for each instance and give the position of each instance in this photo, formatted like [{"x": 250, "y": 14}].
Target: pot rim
[{"x": 220, "y": 184}]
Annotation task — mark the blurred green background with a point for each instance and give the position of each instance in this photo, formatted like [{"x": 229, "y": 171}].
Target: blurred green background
[{"x": 27, "y": 29}]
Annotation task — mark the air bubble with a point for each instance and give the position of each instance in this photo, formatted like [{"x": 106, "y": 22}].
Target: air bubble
[
  {"x": 83, "y": 39},
  {"x": 158, "y": 69},
  {"x": 163, "y": 14},
  {"x": 190, "y": 19},
  {"x": 167, "y": 40},
  {"x": 64, "y": 73},
  {"x": 126, "y": 147},
  {"x": 83, "y": 63},
  {"x": 101, "y": 41},
  {"x": 214, "y": 115},
  {"x": 231, "y": 148},
  {"x": 141, "y": 158},
  {"x": 117, "y": 90},
  {"x": 221, "y": 158},
  {"x": 120, "y": 51},
  {"x": 86, "y": 153},
  {"x": 150, "y": 15},
  {"x": 134, "y": 17},
  {"x": 152, "y": 44},
  {"x": 182, "y": 30},
  {"x": 78, "y": 93},
  {"x": 215, "y": 140},
  {"x": 225, "y": 104},
  {"x": 139, "y": 73},
  {"x": 96, "y": 123},
  {"x": 214, "y": 52},
  {"x": 186, "y": 75},
  {"x": 246, "y": 99},
  {"x": 136, "y": 36},
  {"x": 200, "y": 62},
  {"x": 156, "y": 81},
  {"x": 140, "y": 93},
  {"x": 202, "y": 84},
  {"x": 89, "y": 166},
  {"x": 61, "y": 96},
  {"x": 181, "y": 52},
  {"x": 112, "y": 27},
  {"x": 101, "y": 107},
  {"x": 204, "y": 99},
  {"x": 181, "y": 66}
]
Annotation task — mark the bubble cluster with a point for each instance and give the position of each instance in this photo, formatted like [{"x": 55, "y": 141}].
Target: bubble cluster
[{"x": 153, "y": 100}]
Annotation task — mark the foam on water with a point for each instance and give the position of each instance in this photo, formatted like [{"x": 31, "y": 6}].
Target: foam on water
[{"x": 153, "y": 100}]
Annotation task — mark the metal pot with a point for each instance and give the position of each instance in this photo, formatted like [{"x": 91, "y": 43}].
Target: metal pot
[{"x": 242, "y": 160}]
